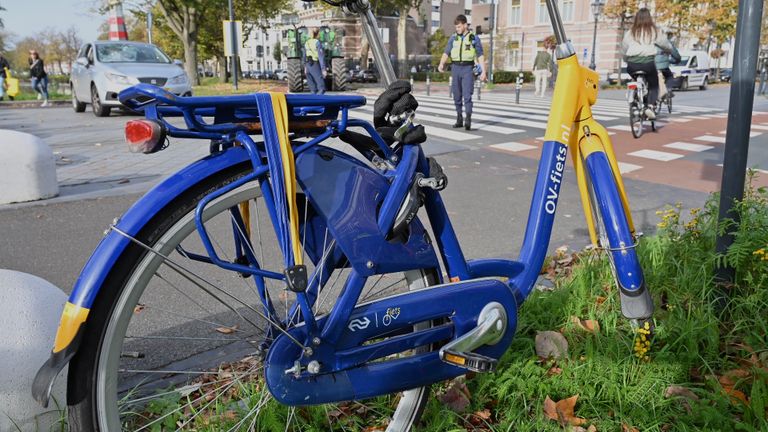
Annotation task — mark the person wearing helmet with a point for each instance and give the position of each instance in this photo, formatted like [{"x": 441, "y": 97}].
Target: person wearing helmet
[
  {"x": 464, "y": 49},
  {"x": 314, "y": 59}
]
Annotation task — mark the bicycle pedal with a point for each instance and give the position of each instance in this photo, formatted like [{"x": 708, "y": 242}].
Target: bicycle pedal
[
  {"x": 470, "y": 361},
  {"x": 490, "y": 328}
]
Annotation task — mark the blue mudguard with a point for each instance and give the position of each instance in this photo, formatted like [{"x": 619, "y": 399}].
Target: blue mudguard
[{"x": 457, "y": 304}]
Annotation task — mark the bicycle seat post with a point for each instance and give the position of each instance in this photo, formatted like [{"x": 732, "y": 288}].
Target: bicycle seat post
[{"x": 564, "y": 47}]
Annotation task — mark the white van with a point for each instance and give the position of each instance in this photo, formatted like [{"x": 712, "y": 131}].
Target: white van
[{"x": 693, "y": 69}]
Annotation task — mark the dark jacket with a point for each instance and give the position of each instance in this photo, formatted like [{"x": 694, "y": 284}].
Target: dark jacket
[
  {"x": 36, "y": 68},
  {"x": 3, "y": 64}
]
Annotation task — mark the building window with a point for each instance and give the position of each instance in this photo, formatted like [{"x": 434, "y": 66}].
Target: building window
[
  {"x": 513, "y": 55},
  {"x": 514, "y": 12},
  {"x": 566, "y": 10},
  {"x": 467, "y": 12},
  {"x": 435, "y": 24},
  {"x": 542, "y": 16},
  {"x": 435, "y": 8}
]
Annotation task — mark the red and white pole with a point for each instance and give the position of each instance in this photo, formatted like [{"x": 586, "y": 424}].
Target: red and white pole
[{"x": 116, "y": 21}]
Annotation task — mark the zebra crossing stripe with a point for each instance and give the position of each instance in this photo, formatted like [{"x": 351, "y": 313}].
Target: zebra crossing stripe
[
  {"x": 655, "y": 155},
  {"x": 626, "y": 168},
  {"x": 688, "y": 146},
  {"x": 513, "y": 147},
  {"x": 711, "y": 138},
  {"x": 430, "y": 130},
  {"x": 544, "y": 108},
  {"x": 758, "y": 127},
  {"x": 612, "y": 104},
  {"x": 753, "y": 133},
  {"x": 478, "y": 115},
  {"x": 448, "y": 121},
  {"x": 679, "y": 120}
]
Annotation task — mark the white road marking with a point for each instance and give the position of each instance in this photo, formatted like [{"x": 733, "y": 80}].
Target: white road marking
[
  {"x": 711, "y": 138},
  {"x": 752, "y": 133},
  {"x": 420, "y": 117},
  {"x": 513, "y": 146},
  {"x": 431, "y": 130},
  {"x": 688, "y": 146},
  {"x": 656, "y": 155},
  {"x": 625, "y": 168}
]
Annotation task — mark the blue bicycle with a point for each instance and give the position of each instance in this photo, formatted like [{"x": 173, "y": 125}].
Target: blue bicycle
[{"x": 300, "y": 274}]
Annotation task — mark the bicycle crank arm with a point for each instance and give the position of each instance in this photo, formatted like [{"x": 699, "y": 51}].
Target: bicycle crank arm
[{"x": 491, "y": 326}]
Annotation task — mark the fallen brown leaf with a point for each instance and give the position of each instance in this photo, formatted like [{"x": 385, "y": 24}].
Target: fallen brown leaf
[
  {"x": 591, "y": 428},
  {"x": 554, "y": 370},
  {"x": 735, "y": 394},
  {"x": 625, "y": 428},
  {"x": 588, "y": 325},
  {"x": 138, "y": 308},
  {"x": 484, "y": 414},
  {"x": 226, "y": 330},
  {"x": 562, "y": 411},
  {"x": 456, "y": 397},
  {"x": 600, "y": 300},
  {"x": 684, "y": 393}
]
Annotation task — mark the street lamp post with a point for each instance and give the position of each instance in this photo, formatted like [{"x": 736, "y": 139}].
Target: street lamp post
[{"x": 597, "y": 9}]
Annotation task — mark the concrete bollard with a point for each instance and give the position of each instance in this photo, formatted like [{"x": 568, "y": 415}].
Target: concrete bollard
[
  {"x": 29, "y": 317},
  {"x": 27, "y": 168}
]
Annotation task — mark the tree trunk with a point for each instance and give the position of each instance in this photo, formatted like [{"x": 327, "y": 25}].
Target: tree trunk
[
  {"x": 717, "y": 68},
  {"x": 401, "y": 41},
  {"x": 364, "y": 47},
  {"x": 190, "y": 59},
  {"x": 221, "y": 69}
]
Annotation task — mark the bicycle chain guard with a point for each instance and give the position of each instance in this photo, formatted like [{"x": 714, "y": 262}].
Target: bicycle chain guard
[{"x": 364, "y": 362}]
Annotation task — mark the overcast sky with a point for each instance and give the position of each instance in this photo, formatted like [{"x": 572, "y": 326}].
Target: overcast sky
[{"x": 27, "y": 17}]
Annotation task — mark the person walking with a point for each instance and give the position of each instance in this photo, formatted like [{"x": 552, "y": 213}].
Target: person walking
[
  {"x": 639, "y": 48},
  {"x": 464, "y": 49},
  {"x": 314, "y": 58},
  {"x": 3, "y": 66},
  {"x": 39, "y": 77},
  {"x": 542, "y": 70}
]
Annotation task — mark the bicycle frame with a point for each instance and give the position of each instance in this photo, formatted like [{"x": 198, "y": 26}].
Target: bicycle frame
[{"x": 570, "y": 127}]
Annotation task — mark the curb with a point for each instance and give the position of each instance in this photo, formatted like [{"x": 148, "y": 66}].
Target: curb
[{"x": 32, "y": 104}]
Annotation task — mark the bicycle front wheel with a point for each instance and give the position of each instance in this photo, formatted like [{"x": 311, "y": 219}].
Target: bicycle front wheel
[
  {"x": 616, "y": 238},
  {"x": 173, "y": 350}
]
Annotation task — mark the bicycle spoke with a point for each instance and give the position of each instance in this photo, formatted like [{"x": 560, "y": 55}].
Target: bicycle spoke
[
  {"x": 189, "y": 275},
  {"x": 212, "y": 323},
  {"x": 371, "y": 295}
]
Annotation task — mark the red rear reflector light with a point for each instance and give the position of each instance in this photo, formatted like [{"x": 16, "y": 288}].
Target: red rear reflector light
[
  {"x": 632, "y": 86},
  {"x": 144, "y": 136}
]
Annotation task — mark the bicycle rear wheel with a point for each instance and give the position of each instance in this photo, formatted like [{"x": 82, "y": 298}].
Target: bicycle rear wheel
[
  {"x": 162, "y": 351},
  {"x": 636, "y": 119},
  {"x": 669, "y": 103}
]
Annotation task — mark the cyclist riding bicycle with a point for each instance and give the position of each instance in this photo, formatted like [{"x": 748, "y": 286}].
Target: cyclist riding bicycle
[
  {"x": 639, "y": 48},
  {"x": 663, "y": 60}
]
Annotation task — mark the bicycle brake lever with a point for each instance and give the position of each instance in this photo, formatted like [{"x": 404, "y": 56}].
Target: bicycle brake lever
[{"x": 406, "y": 126}]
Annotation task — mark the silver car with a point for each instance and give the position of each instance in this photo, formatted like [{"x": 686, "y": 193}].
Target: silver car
[{"x": 104, "y": 68}]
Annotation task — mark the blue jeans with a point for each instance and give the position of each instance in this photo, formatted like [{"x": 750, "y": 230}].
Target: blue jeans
[{"x": 40, "y": 85}]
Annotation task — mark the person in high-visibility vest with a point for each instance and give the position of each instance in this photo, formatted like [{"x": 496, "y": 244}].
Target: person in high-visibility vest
[
  {"x": 464, "y": 49},
  {"x": 314, "y": 59}
]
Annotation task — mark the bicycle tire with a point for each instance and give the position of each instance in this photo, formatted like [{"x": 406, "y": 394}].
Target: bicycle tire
[
  {"x": 92, "y": 372},
  {"x": 635, "y": 120},
  {"x": 615, "y": 237},
  {"x": 669, "y": 105}
]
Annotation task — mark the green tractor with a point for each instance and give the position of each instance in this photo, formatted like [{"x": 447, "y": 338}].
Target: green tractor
[{"x": 336, "y": 66}]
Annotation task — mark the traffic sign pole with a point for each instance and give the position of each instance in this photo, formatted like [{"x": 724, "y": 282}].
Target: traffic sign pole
[{"x": 739, "y": 122}]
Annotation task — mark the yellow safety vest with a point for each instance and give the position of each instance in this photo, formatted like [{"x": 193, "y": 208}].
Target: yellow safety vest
[
  {"x": 310, "y": 47},
  {"x": 463, "y": 49}
]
